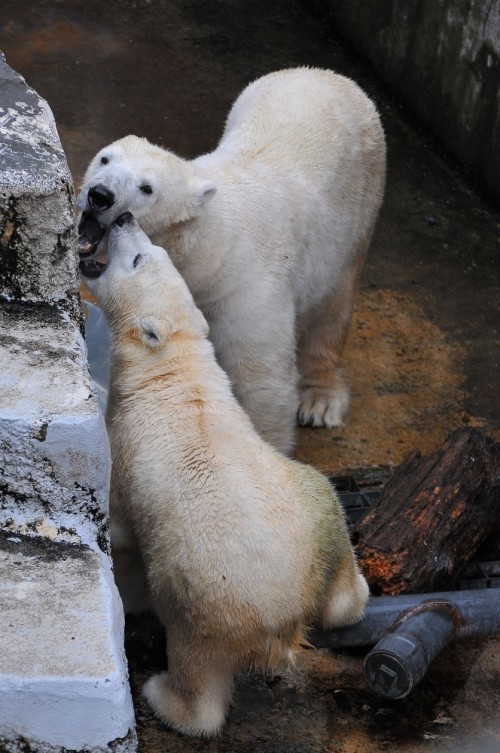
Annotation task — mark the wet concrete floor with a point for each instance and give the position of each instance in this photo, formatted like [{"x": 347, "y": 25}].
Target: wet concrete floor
[{"x": 424, "y": 348}]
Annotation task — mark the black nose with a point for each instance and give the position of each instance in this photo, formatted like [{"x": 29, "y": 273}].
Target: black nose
[
  {"x": 124, "y": 219},
  {"x": 100, "y": 198}
]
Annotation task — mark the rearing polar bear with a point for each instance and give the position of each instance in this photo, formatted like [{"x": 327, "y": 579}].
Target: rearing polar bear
[
  {"x": 236, "y": 547},
  {"x": 269, "y": 231}
]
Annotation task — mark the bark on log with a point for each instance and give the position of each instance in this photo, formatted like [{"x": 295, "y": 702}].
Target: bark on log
[{"x": 432, "y": 516}]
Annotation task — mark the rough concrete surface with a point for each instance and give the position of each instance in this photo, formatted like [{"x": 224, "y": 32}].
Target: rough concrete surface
[
  {"x": 60, "y": 649},
  {"x": 54, "y": 451},
  {"x": 37, "y": 233},
  {"x": 62, "y": 658},
  {"x": 424, "y": 348}
]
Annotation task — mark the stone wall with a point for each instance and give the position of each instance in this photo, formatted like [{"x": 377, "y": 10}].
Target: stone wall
[
  {"x": 441, "y": 58},
  {"x": 63, "y": 675}
]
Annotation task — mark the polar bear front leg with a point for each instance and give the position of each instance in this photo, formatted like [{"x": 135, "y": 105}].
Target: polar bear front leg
[
  {"x": 324, "y": 391},
  {"x": 259, "y": 357},
  {"x": 271, "y": 403}
]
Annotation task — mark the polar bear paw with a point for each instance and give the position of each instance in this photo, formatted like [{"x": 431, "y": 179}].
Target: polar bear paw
[
  {"x": 323, "y": 408},
  {"x": 347, "y": 602},
  {"x": 202, "y": 716}
]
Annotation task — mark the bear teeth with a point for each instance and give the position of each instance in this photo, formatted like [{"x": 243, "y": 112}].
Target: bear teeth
[
  {"x": 90, "y": 233},
  {"x": 92, "y": 268}
]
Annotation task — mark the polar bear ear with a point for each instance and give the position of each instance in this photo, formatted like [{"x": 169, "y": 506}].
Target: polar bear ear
[
  {"x": 150, "y": 331},
  {"x": 200, "y": 191}
]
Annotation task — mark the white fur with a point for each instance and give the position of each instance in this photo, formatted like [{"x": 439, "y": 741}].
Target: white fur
[
  {"x": 240, "y": 546},
  {"x": 269, "y": 231}
]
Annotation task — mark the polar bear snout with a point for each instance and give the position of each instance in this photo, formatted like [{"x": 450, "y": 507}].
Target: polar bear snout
[
  {"x": 100, "y": 198},
  {"x": 125, "y": 231},
  {"x": 127, "y": 218}
]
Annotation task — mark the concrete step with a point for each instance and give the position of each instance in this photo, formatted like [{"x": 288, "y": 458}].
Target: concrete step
[
  {"x": 62, "y": 679},
  {"x": 63, "y": 674}
]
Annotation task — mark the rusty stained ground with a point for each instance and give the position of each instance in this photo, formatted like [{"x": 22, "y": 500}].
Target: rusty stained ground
[{"x": 423, "y": 353}]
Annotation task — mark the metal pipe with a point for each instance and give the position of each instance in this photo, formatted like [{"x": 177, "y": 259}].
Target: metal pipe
[
  {"x": 411, "y": 630},
  {"x": 479, "y": 611},
  {"x": 401, "y": 658}
]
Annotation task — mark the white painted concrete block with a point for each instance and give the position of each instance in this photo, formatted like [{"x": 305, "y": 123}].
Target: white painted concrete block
[
  {"x": 54, "y": 452},
  {"x": 61, "y": 649},
  {"x": 63, "y": 673}
]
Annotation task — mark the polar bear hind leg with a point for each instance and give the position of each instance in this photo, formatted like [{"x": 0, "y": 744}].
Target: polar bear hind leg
[
  {"x": 193, "y": 696},
  {"x": 324, "y": 391},
  {"x": 346, "y": 599}
]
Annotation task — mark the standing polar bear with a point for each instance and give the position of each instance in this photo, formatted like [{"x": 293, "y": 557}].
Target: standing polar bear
[
  {"x": 269, "y": 231},
  {"x": 239, "y": 547}
]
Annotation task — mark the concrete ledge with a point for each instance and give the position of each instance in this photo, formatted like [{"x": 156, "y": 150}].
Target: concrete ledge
[
  {"x": 38, "y": 257},
  {"x": 61, "y": 653},
  {"x": 63, "y": 674},
  {"x": 54, "y": 453}
]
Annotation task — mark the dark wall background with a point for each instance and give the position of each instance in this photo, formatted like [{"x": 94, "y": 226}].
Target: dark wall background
[{"x": 441, "y": 57}]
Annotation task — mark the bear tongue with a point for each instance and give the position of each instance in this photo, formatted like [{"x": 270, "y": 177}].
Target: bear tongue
[{"x": 90, "y": 233}]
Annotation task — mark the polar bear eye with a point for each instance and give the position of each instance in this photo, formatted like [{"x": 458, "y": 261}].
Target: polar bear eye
[
  {"x": 146, "y": 188},
  {"x": 104, "y": 160},
  {"x": 136, "y": 260}
]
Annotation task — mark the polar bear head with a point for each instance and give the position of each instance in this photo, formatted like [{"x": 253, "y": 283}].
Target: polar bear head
[
  {"x": 144, "y": 298},
  {"x": 133, "y": 175}
]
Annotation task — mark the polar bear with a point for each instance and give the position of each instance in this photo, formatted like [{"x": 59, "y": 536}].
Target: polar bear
[
  {"x": 239, "y": 546},
  {"x": 269, "y": 231}
]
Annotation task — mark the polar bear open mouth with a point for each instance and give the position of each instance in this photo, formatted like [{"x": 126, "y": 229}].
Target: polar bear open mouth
[
  {"x": 91, "y": 268},
  {"x": 90, "y": 233}
]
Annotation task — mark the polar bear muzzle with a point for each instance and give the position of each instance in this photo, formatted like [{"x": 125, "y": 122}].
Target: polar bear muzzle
[
  {"x": 127, "y": 218},
  {"x": 100, "y": 198}
]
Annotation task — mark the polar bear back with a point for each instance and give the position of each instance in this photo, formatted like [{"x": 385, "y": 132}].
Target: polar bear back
[
  {"x": 310, "y": 118},
  {"x": 300, "y": 170}
]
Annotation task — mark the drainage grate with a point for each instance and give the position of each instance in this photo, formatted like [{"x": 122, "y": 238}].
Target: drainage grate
[
  {"x": 354, "y": 501},
  {"x": 480, "y": 575}
]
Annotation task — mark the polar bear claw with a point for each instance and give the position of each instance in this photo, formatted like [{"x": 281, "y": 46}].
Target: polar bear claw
[{"x": 318, "y": 409}]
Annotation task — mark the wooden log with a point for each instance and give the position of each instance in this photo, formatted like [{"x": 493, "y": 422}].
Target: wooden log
[{"x": 432, "y": 516}]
